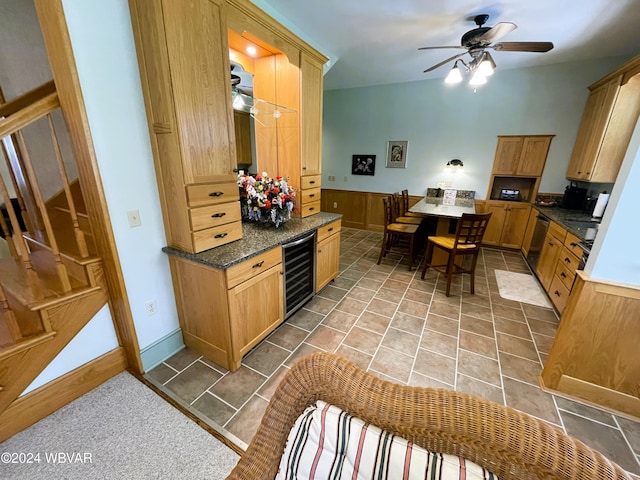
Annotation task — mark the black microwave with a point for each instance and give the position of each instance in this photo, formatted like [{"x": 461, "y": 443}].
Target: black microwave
[{"x": 509, "y": 194}]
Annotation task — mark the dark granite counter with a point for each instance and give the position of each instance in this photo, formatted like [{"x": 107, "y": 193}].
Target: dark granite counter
[
  {"x": 256, "y": 239},
  {"x": 577, "y": 222}
]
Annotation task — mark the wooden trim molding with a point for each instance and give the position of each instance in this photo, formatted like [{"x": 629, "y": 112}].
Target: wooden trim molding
[
  {"x": 34, "y": 406},
  {"x": 60, "y": 53}
]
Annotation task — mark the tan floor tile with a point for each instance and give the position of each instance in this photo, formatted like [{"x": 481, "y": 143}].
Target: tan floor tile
[
  {"x": 288, "y": 336},
  {"x": 546, "y": 314},
  {"x": 320, "y": 305},
  {"x": 508, "y": 312},
  {"x": 414, "y": 308},
  {"x": 245, "y": 424},
  {"x": 393, "y": 364},
  {"x": 270, "y": 385},
  {"x": 445, "y": 309},
  {"x": 363, "y": 340},
  {"x": 417, "y": 296},
  {"x": 476, "y": 387},
  {"x": 419, "y": 380},
  {"x": 361, "y": 294},
  {"x": 192, "y": 381},
  {"x": 520, "y": 368},
  {"x": 631, "y": 430},
  {"x": 266, "y": 358},
  {"x": 516, "y": 346},
  {"x": 436, "y": 366},
  {"x": 479, "y": 367},
  {"x": 396, "y": 285},
  {"x": 214, "y": 408},
  {"x": 530, "y": 399},
  {"x": 340, "y": 320},
  {"x": 388, "y": 295},
  {"x": 382, "y": 307},
  {"x": 359, "y": 358},
  {"x": 182, "y": 359},
  {"x": 162, "y": 373},
  {"x": 542, "y": 327},
  {"x": 307, "y": 319},
  {"x": 477, "y": 325},
  {"x": 374, "y": 322},
  {"x": 352, "y": 306},
  {"x": 479, "y": 344},
  {"x": 543, "y": 343},
  {"x": 302, "y": 351},
  {"x": 332, "y": 293},
  {"x": 517, "y": 329},
  {"x": 477, "y": 311},
  {"x": 344, "y": 283},
  {"x": 401, "y": 341},
  {"x": 237, "y": 387},
  {"x": 422, "y": 285},
  {"x": 481, "y": 300},
  {"x": 439, "y": 343},
  {"x": 444, "y": 325},
  {"x": 325, "y": 338},
  {"x": 370, "y": 284},
  {"x": 585, "y": 411},
  {"x": 408, "y": 323}
]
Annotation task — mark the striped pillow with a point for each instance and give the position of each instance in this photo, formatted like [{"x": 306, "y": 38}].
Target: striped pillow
[{"x": 328, "y": 443}]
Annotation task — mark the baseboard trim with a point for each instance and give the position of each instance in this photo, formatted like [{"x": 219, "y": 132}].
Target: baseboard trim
[
  {"x": 34, "y": 406},
  {"x": 161, "y": 349}
]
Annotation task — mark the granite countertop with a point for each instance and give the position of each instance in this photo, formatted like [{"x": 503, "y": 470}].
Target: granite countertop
[
  {"x": 255, "y": 240},
  {"x": 434, "y": 206},
  {"x": 569, "y": 219}
]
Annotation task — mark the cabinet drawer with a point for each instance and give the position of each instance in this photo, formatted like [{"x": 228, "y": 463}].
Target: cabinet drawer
[
  {"x": 569, "y": 260},
  {"x": 309, "y": 195},
  {"x": 213, "y": 215},
  {"x": 566, "y": 276},
  {"x": 330, "y": 229},
  {"x": 255, "y": 265},
  {"x": 211, "y": 193},
  {"x": 571, "y": 243},
  {"x": 557, "y": 231},
  {"x": 558, "y": 293},
  {"x": 310, "y": 181},
  {"x": 216, "y": 236},
  {"x": 310, "y": 209}
]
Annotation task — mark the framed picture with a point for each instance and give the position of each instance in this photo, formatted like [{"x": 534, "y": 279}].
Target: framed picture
[
  {"x": 363, "y": 164},
  {"x": 397, "y": 154}
]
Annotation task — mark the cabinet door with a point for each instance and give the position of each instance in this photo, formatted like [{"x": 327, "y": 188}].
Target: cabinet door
[
  {"x": 196, "y": 38},
  {"x": 508, "y": 154},
  {"x": 515, "y": 225},
  {"x": 591, "y": 131},
  {"x": 528, "y": 234},
  {"x": 493, "y": 233},
  {"x": 255, "y": 309},
  {"x": 311, "y": 115},
  {"x": 548, "y": 259},
  {"x": 327, "y": 260},
  {"x": 534, "y": 156},
  {"x": 242, "y": 124}
]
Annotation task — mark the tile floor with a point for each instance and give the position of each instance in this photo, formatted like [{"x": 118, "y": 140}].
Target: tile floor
[{"x": 389, "y": 321}]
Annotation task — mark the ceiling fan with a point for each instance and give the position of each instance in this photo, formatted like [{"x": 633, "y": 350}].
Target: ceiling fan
[{"x": 476, "y": 42}]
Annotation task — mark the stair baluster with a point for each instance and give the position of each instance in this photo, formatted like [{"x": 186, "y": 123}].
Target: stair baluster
[
  {"x": 61, "y": 270},
  {"x": 79, "y": 234}
]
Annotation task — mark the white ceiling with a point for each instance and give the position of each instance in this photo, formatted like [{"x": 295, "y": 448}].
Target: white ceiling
[{"x": 374, "y": 42}]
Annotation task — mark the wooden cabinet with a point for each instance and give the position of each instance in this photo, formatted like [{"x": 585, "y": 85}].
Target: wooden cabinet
[
  {"x": 521, "y": 155},
  {"x": 508, "y": 223},
  {"x": 189, "y": 115},
  {"x": 528, "y": 234},
  {"x": 242, "y": 129},
  {"x": 551, "y": 250},
  {"x": 565, "y": 273},
  {"x": 608, "y": 120},
  {"x": 327, "y": 254},
  {"x": 216, "y": 308}
]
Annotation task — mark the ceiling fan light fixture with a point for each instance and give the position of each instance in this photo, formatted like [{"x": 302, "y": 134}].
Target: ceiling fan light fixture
[
  {"x": 455, "y": 75},
  {"x": 477, "y": 79}
]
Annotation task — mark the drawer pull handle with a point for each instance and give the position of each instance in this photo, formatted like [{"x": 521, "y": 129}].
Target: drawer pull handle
[
  {"x": 557, "y": 293},
  {"x": 259, "y": 264},
  {"x": 312, "y": 195},
  {"x": 550, "y": 244},
  {"x": 312, "y": 209},
  {"x": 304, "y": 168},
  {"x": 330, "y": 230},
  {"x": 567, "y": 259},
  {"x": 235, "y": 170},
  {"x": 312, "y": 182},
  {"x": 563, "y": 275},
  {"x": 218, "y": 215},
  {"x": 221, "y": 235},
  {"x": 574, "y": 244},
  {"x": 216, "y": 194}
]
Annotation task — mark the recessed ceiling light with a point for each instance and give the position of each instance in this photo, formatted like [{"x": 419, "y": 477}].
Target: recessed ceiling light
[{"x": 251, "y": 50}]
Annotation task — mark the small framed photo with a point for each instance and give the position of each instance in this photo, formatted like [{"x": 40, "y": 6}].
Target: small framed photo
[
  {"x": 363, "y": 165},
  {"x": 397, "y": 154}
]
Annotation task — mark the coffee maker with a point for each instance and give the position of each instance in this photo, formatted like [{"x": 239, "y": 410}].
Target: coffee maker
[{"x": 574, "y": 197}]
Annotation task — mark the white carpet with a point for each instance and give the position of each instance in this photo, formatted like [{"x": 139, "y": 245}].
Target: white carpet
[
  {"x": 120, "y": 430},
  {"x": 521, "y": 287}
]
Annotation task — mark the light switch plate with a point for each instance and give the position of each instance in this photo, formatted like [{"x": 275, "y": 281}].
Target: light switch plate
[{"x": 134, "y": 218}]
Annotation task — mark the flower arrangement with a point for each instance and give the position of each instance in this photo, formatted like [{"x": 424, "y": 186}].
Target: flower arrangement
[{"x": 264, "y": 199}]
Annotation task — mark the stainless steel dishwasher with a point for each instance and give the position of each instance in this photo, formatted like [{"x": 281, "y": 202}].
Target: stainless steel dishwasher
[{"x": 537, "y": 241}]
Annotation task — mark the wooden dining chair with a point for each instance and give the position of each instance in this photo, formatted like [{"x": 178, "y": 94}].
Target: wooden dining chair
[
  {"x": 405, "y": 206},
  {"x": 466, "y": 242},
  {"x": 399, "y": 214},
  {"x": 396, "y": 231}
]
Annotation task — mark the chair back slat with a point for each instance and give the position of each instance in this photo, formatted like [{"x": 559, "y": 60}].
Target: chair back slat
[
  {"x": 471, "y": 228},
  {"x": 405, "y": 201},
  {"x": 388, "y": 211}
]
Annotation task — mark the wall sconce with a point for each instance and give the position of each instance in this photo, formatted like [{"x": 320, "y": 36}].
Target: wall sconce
[{"x": 454, "y": 166}]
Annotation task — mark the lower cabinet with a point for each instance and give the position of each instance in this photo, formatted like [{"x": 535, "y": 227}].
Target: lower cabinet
[
  {"x": 217, "y": 308},
  {"x": 549, "y": 254},
  {"x": 508, "y": 223},
  {"x": 327, "y": 254}
]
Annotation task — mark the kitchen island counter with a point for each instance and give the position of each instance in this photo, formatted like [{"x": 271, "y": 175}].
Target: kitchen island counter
[{"x": 256, "y": 238}]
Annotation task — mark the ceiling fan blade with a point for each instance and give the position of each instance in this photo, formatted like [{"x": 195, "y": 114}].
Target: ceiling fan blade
[
  {"x": 443, "y": 62},
  {"x": 523, "y": 46},
  {"x": 498, "y": 31},
  {"x": 434, "y": 48}
]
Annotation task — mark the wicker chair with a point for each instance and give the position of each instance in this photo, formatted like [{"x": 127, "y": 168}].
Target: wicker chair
[{"x": 511, "y": 444}]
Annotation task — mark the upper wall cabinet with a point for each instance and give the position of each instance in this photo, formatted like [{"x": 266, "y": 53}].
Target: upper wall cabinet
[
  {"x": 609, "y": 117},
  {"x": 521, "y": 155},
  {"x": 182, "y": 49}
]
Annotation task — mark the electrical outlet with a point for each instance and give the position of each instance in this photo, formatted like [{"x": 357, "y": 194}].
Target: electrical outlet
[
  {"x": 134, "y": 218},
  {"x": 335, "y": 204},
  {"x": 151, "y": 308}
]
